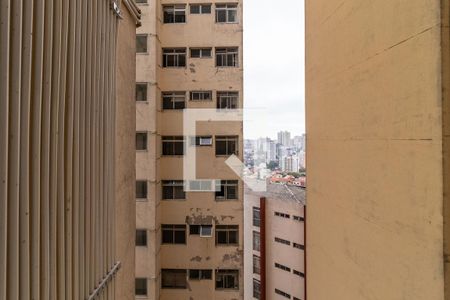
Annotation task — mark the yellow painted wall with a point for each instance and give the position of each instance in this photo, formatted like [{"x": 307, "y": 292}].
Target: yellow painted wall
[{"x": 375, "y": 164}]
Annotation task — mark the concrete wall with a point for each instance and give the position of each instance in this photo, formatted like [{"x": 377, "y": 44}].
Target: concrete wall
[{"x": 375, "y": 166}]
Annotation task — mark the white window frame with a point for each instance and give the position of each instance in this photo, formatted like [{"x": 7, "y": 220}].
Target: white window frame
[
  {"x": 230, "y": 97},
  {"x": 205, "y": 233},
  {"x": 227, "y": 8},
  {"x": 201, "y": 95},
  {"x": 200, "y": 5},
  {"x": 176, "y": 97},
  {"x": 173, "y": 52},
  {"x": 224, "y": 53},
  {"x": 175, "y": 8}
]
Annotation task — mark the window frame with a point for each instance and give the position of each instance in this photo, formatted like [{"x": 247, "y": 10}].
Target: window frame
[
  {"x": 256, "y": 241},
  {"x": 142, "y": 133},
  {"x": 137, "y": 238},
  {"x": 176, "y": 8},
  {"x": 227, "y": 229},
  {"x": 174, "y": 271},
  {"x": 224, "y": 186},
  {"x": 256, "y": 288},
  {"x": 136, "y": 286},
  {"x": 146, "y": 91},
  {"x": 201, "y": 50},
  {"x": 256, "y": 216},
  {"x": 146, "y": 43},
  {"x": 229, "y": 57},
  {"x": 200, "y": 5},
  {"x": 173, "y": 184},
  {"x": 201, "y": 95},
  {"x": 226, "y": 274},
  {"x": 173, "y": 228},
  {"x": 227, "y": 139},
  {"x": 203, "y": 274},
  {"x": 227, "y": 97},
  {"x": 174, "y": 98},
  {"x": 227, "y": 7},
  {"x": 176, "y": 52},
  {"x": 172, "y": 141},
  {"x": 140, "y": 181},
  {"x": 256, "y": 266}
]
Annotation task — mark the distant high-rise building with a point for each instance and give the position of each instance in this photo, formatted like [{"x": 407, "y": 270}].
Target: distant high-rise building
[
  {"x": 189, "y": 56},
  {"x": 67, "y": 123},
  {"x": 284, "y": 138},
  {"x": 275, "y": 252}
]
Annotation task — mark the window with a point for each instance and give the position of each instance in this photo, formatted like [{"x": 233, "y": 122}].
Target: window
[
  {"x": 227, "y": 279},
  {"x": 256, "y": 289},
  {"x": 173, "y": 278},
  {"x": 141, "y": 140},
  {"x": 173, "y": 189},
  {"x": 202, "y": 230},
  {"x": 141, "y": 237},
  {"x": 282, "y": 215},
  {"x": 228, "y": 190},
  {"x": 298, "y": 246},
  {"x": 141, "y": 43},
  {"x": 301, "y": 274},
  {"x": 298, "y": 218},
  {"x": 174, "y": 57},
  {"x": 226, "y": 13},
  {"x": 201, "y": 140},
  {"x": 141, "y": 91},
  {"x": 227, "y": 234},
  {"x": 174, "y": 100},
  {"x": 173, "y": 234},
  {"x": 141, "y": 189},
  {"x": 197, "y": 9},
  {"x": 227, "y": 57},
  {"x": 282, "y": 241},
  {"x": 256, "y": 264},
  {"x": 200, "y": 96},
  {"x": 282, "y": 267},
  {"x": 141, "y": 286},
  {"x": 172, "y": 145},
  {"x": 256, "y": 241},
  {"x": 174, "y": 13},
  {"x": 201, "y": 52},
  {"x": 195, "y": 274},
  {"x": 227, "y": 100},
  {"x": 280, "y": 292},
  {"x": 256, "y": 216},
  {"x": 226, "y": 145}
]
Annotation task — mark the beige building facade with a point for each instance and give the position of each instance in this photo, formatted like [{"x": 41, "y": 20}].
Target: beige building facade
[
  {"x": 377, "y": 116},
  {"x": 274, "y": 262},
  {"x": 66, "y": 149},
  {"x": 189, "y": 244}
]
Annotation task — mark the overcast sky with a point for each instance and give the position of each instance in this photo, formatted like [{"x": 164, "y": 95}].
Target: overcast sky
[{"x": 274, "y": 67}]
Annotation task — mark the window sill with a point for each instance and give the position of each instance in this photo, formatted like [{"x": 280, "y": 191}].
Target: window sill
[
  {"x": 142, "y": 53},
  {"x": 227, "y": 245},
  {"x": 146, "y": 150},
  {"x": 177, "y": 200},
  {"x": 141, "y": 200},
  {"x": 142, "y": 102}
]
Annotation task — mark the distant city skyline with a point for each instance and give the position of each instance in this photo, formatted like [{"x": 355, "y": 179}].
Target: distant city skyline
[{"x": 275, "y": 137}]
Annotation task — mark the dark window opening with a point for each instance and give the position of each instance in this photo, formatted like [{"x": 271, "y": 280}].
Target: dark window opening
[
  {"x": 141, "y": 92},
  {"x": 141, "y": 140},
  {"x": 141, "y": 237},
  {"x": 173, "y": 189},
  {"x": 141, "y": 189},
  {"x": 173, "y": 278},
  {"x": 227, "y": 234},
  {"x": 227, "y": 145},
  {"x": 141, "y": 43},
  {"x": 173, "y": 234}
]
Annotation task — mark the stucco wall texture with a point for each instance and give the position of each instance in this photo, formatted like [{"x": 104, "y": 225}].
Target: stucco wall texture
[{"x": 376, "y": 172}]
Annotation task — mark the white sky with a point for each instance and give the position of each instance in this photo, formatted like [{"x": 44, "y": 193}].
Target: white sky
[{"x": 273, "y": 67}]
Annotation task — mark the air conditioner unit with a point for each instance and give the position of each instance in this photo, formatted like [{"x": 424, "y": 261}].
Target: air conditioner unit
[
  {"x": 206, "y": 231},
  {"x": 205, "y": 141}
]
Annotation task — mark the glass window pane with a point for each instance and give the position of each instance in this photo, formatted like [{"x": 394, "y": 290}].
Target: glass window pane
[
  {"x": 180, "y": 237},
  {"x": 179, "y": 148},
  {"x": 141, "y": 237},
  {"x": 182, "y": 60},
  {"x": 167, "y": 192},
  {"x": 141, "y": 43},
  {"x": 195, "y": 53},
  {"x": 221, "y": 16},
  {"x": 194, "y": 229},
  {"x": 195, "y": 9},
  {"x": 167, "y": 236},
  {"x": 233, "y": 237},
  {"x": 232, "y": 16},
  {"x": 141, "y": 92},
  {"x": 206, "y": 9},
  {"x": 141, "y": 141},
  {"x": 221, "y": 237},
  {"x": 141, "y": 286},
  {"x": 206, "y": 53},
  {"x": 179, "y": 193}
]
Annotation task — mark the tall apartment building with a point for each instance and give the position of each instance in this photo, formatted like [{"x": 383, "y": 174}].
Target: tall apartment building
[
  {"x": 378, "y": 144},
  {"x": 188, "y": 244},
  {"x": 66, "y": 149},
  {"x": 275, "y": 255}
]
